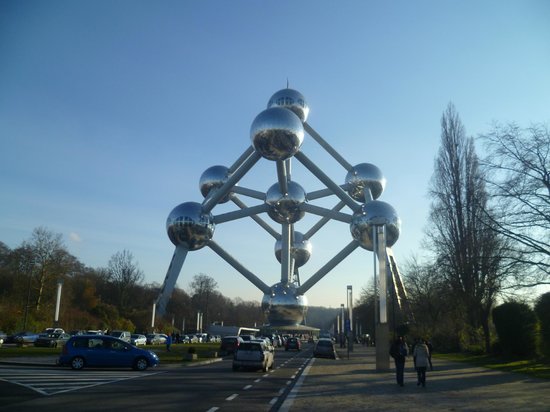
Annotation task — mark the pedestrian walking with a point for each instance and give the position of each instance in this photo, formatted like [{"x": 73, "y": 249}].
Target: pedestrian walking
[
  {"x": 399, "y": 352},
  {"x": 168, "y": 342},
  {"x": 421, "y": 355}
]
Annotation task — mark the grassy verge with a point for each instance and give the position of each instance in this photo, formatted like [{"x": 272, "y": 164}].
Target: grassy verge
[
  {"x": 536, "y": 368},
  {"x": 176, "y": 355}
]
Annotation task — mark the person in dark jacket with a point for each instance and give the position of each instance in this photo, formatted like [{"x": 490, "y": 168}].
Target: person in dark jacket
[{"x": 399, "y": 352}]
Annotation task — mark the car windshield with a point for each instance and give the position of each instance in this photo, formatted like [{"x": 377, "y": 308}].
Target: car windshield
[{"x": 324, "y": 343}]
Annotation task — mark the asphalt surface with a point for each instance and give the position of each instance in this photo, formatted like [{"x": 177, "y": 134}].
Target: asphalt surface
[
  {"x": 351, "y": 383},
  {"x": 354, "y": 385}
]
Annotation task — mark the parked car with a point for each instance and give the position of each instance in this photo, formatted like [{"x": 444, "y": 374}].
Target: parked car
[
  {"x": 53, "y": 330},
  {"x": 52, "y": 340},
  {"x": 229, "y": 344},
  {"x": 192, "y": 339},
  {"x": 253, "y": 355},
  {"x": 155, "y": 339},
  {"x": 324, "y": 348},
  {"x": 121, "y": 334},
  {"x": 137, "y": 339},
  {"x": 293, "y": 343},
  {"x": 105, "y": 351},
  {"x": 3, "y": 337},
  {"x": 23, "y": 338},
  {"x": 94, "y": 332}
]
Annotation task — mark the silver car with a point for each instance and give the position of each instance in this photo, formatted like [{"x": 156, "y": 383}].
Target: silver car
[
  {"x": 324, "y": 348},
  {"x": 253, "y": 355}
]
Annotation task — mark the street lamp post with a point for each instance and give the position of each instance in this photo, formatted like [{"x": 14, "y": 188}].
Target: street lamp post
[
  {"x": 350, "y": 330},
  {"x": 342, "y": 328},
  {"x": 58, "y": 303}
]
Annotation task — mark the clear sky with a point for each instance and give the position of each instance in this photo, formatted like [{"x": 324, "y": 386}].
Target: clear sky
[{"x": 111, "y": 110}]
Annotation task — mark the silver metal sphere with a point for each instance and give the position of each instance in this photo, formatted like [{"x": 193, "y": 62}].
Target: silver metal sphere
[
  {"x": 372, "y": 214},
  {"x": 213, "y": 178},
  {"x": 283, "y": 307},
  {"x": 300, "y": 249},
  {"x": 189, "y": 227},
  {"x": 277, "y": 133},
  {"x": 291, "y": 99},
  {"x": 285, "y": 207},
  {"x": 362, "y": 176}
]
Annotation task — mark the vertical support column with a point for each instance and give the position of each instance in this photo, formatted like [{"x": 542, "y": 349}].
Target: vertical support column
[
  {"x": 382, "y": 329},
  {"x": 153, "y": 317},
  {"x": 286, "y": 239}
]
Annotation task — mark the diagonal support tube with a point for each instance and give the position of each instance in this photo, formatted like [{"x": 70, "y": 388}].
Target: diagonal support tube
[
  {"x": 170, "y": 280},
  {"x": 331, "y": 264},
  {"x": 257, "y": 219},
  {"x": 317, "y": 226},
  {"x": 237, "y": 214},
  {"x": 328, "y": 213},
  {"x": 324, "y": 144},
  {"x": 312, "y": 167},
  {"x": 240, "y": 268},
  {"x": 218, "y": 194}
]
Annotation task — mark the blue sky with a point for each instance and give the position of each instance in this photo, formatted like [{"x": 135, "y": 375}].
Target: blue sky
[{"x": 111, "y": 110}]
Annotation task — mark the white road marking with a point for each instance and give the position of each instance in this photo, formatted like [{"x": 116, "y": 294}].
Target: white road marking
[
  {"x": 230, "y": 398},
  {"x": 285, "y": 407}
]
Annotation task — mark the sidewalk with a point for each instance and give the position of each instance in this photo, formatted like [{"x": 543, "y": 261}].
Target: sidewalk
[{"x": 355, "y": 385}]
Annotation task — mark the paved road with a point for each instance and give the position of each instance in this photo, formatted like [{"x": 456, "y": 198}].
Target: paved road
[
  {"x": 312, "y": 385},
  {"x": 355, "y": 385}
]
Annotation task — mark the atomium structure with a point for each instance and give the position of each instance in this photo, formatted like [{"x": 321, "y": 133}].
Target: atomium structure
[{"x": 277, "y": 134}]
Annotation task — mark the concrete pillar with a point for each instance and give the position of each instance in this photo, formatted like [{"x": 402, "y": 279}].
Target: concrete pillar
[{"x": 382, "y": 347}]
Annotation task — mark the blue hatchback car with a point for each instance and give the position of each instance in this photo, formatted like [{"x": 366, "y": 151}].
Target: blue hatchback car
[{"x": 105, "y": 351}]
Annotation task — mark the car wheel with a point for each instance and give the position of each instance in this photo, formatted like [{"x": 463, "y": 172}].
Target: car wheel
[
  {"x": 141, "y": 364},
  {"x": 77, "y": 363}
]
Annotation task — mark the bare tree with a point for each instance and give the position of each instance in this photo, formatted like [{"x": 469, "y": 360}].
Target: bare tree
[
  {"x": 467, "y": 250},
  {"x": 125, "y": 274},
  {"x": 202, "y": 287},
  {"x": 518, "y": 166},
  {"x": 48, "y": 261}
]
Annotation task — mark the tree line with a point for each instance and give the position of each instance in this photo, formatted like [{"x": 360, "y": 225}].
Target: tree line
[
  {"x": 113, "y": 297},
  {"x": 487, "y": 240}
]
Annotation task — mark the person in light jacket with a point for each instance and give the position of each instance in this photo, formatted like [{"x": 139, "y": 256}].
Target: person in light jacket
[{"x": 421, "y": 355}]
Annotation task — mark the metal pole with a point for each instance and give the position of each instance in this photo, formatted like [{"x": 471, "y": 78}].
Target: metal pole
[
  {"x": 350, "y": 316},
  {"x": 153, "y": 316},
  {"x": 342, "y": 330},
  {"x": 58, "y": 302}
]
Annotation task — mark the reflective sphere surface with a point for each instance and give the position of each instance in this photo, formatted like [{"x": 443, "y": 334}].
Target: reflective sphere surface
[
  {"x": 213, "y": 178},
  {"x": 283, "y": 307},
  {"x": 372, "y": 214},
  {"x": 189, "y": 227},
  {"x": 291, "y": 99},
  {"x": 277, "y": 133},
  {"x": 300, "y": 249},
  {"x": 365, "y": 175},
  {"x": 285, "y": 207}
]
